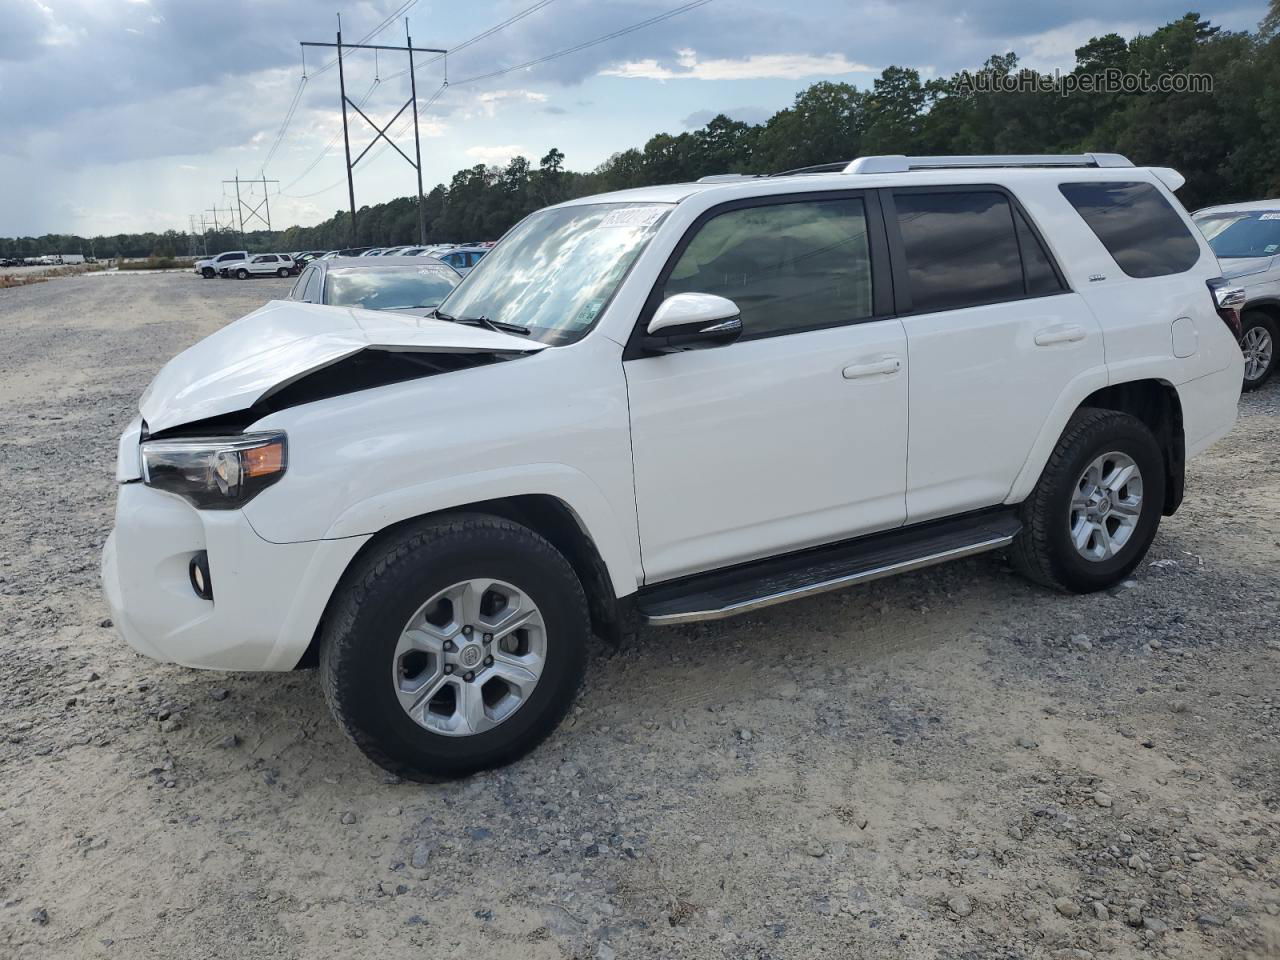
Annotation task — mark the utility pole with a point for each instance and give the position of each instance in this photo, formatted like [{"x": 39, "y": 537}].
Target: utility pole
[
  {"x": 243, "y": 205},
  {"x": 381, "y": 132},
  {"x": 193, "y": 242}
]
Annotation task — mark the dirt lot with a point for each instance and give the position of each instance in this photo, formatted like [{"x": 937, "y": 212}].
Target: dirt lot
[{"x": 952, "y": 764}]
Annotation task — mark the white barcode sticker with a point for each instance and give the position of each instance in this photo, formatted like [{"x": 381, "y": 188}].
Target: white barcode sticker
[{"x": 1270, "y": 216}]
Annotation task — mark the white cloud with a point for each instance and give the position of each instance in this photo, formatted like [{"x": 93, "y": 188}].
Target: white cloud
[
  {"x": 787, "y": 66},
  {"x": 496, "y": 154}
]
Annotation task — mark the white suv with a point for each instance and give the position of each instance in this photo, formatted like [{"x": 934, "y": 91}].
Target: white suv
[
  {"x": 215, "y": 266},
  {"x": 264, "y": 265},
  {"x": 688, "y": 401}
]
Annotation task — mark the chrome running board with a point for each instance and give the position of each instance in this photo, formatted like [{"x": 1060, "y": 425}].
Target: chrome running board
[{"x": 753, "y": 586}]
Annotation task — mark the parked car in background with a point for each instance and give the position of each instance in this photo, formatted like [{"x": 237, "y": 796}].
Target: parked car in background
[
  {"x": 1246, "y": 239},
  {"x": 211, "y": 267},
  {"x": 412, "y": 285},
  {"x": 265, "y": 265},
  {"x": 347, "y": 252},
  {"x": 463, "y": 259},
  {"x": 374, "y": 251},
  {"x": 690, "y": 401}
]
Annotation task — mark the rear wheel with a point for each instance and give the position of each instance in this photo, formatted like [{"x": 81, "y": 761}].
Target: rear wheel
[
  {"x": 242, "y": 274},
  {"x": 1258, "y": 343},
  {"x": 455, "y": 646},
  {"x": 1096, "y": 507}
]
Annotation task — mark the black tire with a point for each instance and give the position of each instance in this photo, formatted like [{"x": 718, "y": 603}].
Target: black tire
[
  {"x": 1255, "y": 319},
  {"x": 282, "y": 272},
  {"x": 389, "y": 584},
  {"x": 242, "y": 274},
  {"x": 1043, "y": 551},
  {"x": 207, "y": 273}
]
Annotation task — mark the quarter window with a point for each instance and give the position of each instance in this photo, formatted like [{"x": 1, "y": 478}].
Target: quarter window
[
  {"x": 1141, "y": 231},
  {"x": 788, "y": 266},
  {"x": 961, "y": 249}
]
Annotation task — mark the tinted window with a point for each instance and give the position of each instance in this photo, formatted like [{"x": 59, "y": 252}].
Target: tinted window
[
  {"x": 297, "y": 292},
  {"x": 1139, "y": 228},
  {"x": 312, "y": 293},
  {"x": 788, "y": 266},
  {"x": 1036, "y": 266},
  {"x": 961, "y": 249}
]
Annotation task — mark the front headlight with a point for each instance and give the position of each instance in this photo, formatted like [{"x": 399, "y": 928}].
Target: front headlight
[{"x": 215, "y": 473}]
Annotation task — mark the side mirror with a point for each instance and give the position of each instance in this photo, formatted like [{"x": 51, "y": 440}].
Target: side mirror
[{"x": 693, "y": 321}]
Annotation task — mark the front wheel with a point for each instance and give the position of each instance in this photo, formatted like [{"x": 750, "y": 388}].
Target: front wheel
[
  {"x": 456, "y": 646},
  {"x": 242, "y": 274},
  {"x": 282, "y": 272},
  {"x": 1258, "y": 343},
  {"x": 207, "y": 273},
  {"x": 1095, "y": 510}
]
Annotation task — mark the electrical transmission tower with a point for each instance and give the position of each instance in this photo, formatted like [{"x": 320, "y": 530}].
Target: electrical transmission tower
[
  {"x": 193, "y": 238},
  {"x": 381, "y": 132},
  {"x": 229, "y": 216},
  {"x": 253, "y": 211}
]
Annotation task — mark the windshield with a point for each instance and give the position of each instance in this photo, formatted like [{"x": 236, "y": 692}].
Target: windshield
[
  {"x": 1252, "y": 233},
  {"x": 557, "y": 269},
  {"x": 389, "y": 288}
]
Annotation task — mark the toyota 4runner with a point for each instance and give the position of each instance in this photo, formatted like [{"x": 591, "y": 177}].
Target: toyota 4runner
[{"x": 685, "y": 401}]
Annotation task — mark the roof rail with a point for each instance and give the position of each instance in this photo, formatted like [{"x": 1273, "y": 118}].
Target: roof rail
[
  {"x": 896, "y": 163},
  {"x": 837, "y": 167},
  {"x": 727, "y": 177}
]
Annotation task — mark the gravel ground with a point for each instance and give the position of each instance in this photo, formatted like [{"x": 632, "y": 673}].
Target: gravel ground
[{"x": 951, "y": 764}]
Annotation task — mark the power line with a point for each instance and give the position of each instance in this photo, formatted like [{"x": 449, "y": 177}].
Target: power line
[
  {"x": 675, "y": 12},
  {"x": 288, "y": 118},
  {"x": 484, "y": 35}
]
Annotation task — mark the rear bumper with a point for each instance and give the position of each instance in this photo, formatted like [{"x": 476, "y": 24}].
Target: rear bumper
[
  {"x": 1210, "y": 405},
  {"x": 267, "y": 598}
]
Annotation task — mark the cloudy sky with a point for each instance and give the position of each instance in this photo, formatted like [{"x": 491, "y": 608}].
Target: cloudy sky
[{"x": 124, "y": 115}]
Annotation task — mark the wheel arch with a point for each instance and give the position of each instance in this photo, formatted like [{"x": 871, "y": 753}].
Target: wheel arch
[
  {"x": 1152, "y": 400},
  {"x": 1156, "y": 404},
  {"x": 546, "y": 515}
]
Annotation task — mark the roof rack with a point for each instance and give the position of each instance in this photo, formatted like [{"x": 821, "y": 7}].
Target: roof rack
[
  {"x": 897, "y": 163},
  {"x": 727, "y": 177}
]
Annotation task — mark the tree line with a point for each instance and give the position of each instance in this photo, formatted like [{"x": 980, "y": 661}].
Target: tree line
[{"x": 1222, "y": 140}]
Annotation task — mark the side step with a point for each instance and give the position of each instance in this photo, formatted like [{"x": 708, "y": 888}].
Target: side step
[{"x": 762, "y": 583}]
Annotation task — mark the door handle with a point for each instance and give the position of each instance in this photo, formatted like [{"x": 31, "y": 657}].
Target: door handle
[
  {"x": 886, "y": 366},
  {"x": 1051, "y": 335}
]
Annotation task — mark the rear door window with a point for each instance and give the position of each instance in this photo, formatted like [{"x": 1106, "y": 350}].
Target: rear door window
[
  {"x": 961, "y": 249},
  {"x": 1137, "y": 225}
]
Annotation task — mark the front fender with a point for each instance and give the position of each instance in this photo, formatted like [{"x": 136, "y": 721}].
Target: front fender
[{"x": 571, "y": 487}]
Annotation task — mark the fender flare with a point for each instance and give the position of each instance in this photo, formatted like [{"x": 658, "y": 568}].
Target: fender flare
[{"x": 614, "y": 539}]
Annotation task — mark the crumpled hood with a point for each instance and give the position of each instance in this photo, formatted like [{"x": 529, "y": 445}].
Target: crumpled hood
[
  {"x": 272, "y": 347},
  {"x": 1233, "y": 267}
]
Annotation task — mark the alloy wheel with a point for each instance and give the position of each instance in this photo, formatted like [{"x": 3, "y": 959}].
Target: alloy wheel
[
  {"x": 469, "y": 658},
  {"x": 1258, "y": 349},
  {"x": 1106, "y": 506}
]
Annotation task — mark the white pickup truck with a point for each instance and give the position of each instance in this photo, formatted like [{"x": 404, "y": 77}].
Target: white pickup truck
[{"x": 683, "y": 402}]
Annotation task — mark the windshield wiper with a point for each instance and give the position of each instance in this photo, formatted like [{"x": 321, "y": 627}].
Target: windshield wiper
[{"x": 500, "y": 326}]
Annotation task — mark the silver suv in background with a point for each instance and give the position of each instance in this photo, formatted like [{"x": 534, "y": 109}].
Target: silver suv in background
[{"x": 1246, "y": 239}]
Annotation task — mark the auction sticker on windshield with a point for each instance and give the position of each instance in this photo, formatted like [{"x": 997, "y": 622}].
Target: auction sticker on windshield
[{"x": 634, "y": 216}]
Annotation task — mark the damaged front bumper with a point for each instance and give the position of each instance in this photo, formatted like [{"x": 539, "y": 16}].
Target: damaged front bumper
[{"x": 267, "y": 598}]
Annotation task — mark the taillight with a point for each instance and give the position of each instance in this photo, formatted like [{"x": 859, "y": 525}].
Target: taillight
[{"x": 1228, "y": 301}]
